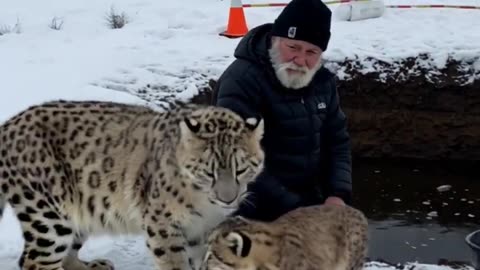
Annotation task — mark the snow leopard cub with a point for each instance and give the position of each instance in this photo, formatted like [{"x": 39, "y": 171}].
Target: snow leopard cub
[{"x": 307, "y": 238}]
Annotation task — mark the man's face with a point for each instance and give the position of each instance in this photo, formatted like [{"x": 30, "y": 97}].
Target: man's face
[{"x": 295, "y": 61}]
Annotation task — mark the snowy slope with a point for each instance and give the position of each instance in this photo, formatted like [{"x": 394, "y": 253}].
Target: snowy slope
[
  {"x": 167, "y": 51},
  {"x": 168, "y": 45}
]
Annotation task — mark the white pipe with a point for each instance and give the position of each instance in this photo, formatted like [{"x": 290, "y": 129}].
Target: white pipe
[{"x": 360, "y": 10}]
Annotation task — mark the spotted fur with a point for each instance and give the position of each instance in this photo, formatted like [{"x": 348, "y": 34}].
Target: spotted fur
[
  {"x": 309, "y": 238},
  {"x": 72, "y": 169}
]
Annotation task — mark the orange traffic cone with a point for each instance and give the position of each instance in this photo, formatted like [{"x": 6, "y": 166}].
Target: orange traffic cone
[{"x": 237, "y": 26}]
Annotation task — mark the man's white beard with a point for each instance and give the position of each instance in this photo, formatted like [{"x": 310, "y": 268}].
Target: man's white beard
[{"x": 296, "y": 80}]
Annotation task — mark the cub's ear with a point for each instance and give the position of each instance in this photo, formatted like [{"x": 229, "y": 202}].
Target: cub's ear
[
  {"x": 256, "y": 126},
  {"x": 239, "y": 243},
  {"x": 252, "y": 123}
]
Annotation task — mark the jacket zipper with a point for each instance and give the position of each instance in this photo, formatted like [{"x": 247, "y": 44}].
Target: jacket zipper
[{"x": 311, "y": 135}]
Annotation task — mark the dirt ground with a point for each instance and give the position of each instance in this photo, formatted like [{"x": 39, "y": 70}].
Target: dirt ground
[
  {"x": 414, "y": 113},
  {"x": 427, "y": 114}
]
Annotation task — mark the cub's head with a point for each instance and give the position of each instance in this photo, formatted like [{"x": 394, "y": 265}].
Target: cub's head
[
  {"x": 234, "y": 245},
  {"x": 221, "y": 152}
]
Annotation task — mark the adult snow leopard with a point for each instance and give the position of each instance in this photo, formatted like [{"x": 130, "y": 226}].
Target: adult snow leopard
[{"x": 71, "y": 169}]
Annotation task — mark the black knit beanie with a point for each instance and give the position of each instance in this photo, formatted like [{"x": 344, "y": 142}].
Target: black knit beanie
[{"x": 307, "y": 20}]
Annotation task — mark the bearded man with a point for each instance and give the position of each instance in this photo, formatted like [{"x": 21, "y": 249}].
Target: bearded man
[{"x": 278, "y": 76}]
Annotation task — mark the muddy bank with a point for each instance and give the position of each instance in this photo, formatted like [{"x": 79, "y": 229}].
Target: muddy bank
[{"x": 408, "y": 109}]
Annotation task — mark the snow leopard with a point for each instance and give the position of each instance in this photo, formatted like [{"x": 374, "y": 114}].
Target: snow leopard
[
  {"x": 75, "y": 169},
  {"x": 306, "y": 238}
]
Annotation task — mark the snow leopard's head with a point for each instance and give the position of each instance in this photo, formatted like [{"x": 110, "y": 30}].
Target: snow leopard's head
[{"x": 221, "y": 152}]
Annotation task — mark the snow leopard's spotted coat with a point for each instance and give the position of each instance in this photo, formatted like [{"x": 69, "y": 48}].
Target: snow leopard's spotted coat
[{"x": 71, "y": 169}]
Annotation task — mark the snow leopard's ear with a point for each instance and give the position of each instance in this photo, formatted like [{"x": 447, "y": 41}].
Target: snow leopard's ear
[
  {"x": 189, "y": 127},
  {"x": 256, "y": 126},
  {"x": 189, "y": 133},
  {"x": 191, "y": 124},
  {"x": 239, "y": 243}
]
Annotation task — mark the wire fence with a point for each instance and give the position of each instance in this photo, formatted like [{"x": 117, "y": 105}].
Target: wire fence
[{"x": 258, "y": 5}]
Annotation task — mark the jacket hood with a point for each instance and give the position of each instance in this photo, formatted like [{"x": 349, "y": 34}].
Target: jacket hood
[{"x": 254, "y": 45}]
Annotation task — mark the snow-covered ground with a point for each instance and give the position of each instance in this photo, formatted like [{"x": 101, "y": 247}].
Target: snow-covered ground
[
  {"x": 169, "y": 45},
  {"x": 167, "y": 50}
]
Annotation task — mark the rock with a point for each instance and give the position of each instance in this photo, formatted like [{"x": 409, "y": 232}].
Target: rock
[{"x": 444, "y": 188}]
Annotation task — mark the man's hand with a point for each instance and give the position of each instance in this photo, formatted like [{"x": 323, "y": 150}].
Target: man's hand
[{"x": 334, "y": 201}]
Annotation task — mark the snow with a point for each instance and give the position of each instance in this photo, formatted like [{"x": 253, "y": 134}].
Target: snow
[
  {"x": 402, "y": 33},
  {"x": 174, "y": 45},
  {"x": 169, "y": 49}
]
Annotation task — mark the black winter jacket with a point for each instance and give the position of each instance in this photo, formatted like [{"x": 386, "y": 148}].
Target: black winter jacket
[{"x": 307, "y": 147}]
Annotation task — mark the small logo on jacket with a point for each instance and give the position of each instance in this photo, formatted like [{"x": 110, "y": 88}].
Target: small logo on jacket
[
  {"x": 292, "y": 31},
  {"x": 321, "y": 105}
]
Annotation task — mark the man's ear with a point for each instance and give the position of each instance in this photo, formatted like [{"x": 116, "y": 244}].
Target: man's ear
[
  {"x": 256, "y": 126},
  {"x": 239, "y": 243}
]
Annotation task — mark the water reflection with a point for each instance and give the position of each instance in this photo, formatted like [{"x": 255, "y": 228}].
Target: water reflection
[{"x": 419, "y": 211}]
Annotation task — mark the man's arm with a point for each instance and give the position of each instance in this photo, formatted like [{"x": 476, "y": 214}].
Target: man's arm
[
  {"x": 243, "y": 97},
  {"x": 338, "y": 142}
]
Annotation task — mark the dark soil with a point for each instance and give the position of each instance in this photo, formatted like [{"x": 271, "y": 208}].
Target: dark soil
[{"x": 415, "y": 112}]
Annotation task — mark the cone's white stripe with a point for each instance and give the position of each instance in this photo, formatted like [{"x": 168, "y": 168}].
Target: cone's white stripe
[{"x": 236, "y": 4}]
